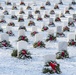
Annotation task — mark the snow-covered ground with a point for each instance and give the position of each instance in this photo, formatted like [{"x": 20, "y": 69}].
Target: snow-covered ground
[{"x": 13, "y": 66}]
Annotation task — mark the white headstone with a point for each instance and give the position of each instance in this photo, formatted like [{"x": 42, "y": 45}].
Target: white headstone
[
  {"x": 62, "y": 46},
  {"x": 4, "y": 36},
  {"x": 21, "y": 45},
  {"x": 51, "y": 20},
  {"x": 21, "y": 24},
  {"x": 65, "y": 23},
  {"x": 34, "y": 28},
  {"x": 38, "y": 37},
  {"x": 8, "y": 28},
  {"x": 70, "y": 19},
  {"x": 74, "y": 16},
  {"x": 51, "y": 31},
  {"x": 59, "y": 29},
  {"x": 71, "y": 36},
  {"x": 12, "y": 12},
  {"x": 57, "y": 15},
  {"x": 21, "y": 16},
  {"x": 72, "y": 29},
  {"x": 21, "y": 32},
  {"x": 49, "y": 57}
]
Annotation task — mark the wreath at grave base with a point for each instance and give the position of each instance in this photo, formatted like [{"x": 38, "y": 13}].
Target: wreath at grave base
[
  {"x": 8, "y": 3},
  {"x": 20, "y": 20},
  {"x": 39, "y": 44},
  {"x": 39, "y": 19},
  {"x": 70, "y": 24},
  {"x": 29, "y": 8},
  {"x": 23, "y": 38},
  {"x": 60, "y": 3},
  {"x": 56, "y": 7},
  {"x": 2, "y": 21},
  {"x": 23, "y": 27},
  {"x": 62, "y": 54},
  {"x": 14, "y": 8},
  {"x": 51, "y": 24},
  {"x": 31, "y": 23},
  {"x": 11, "y": 24},
  {"x": 33, "y": 33},
  {"x": 71, "y": 43},
  {"x": 1, "y": 8},
  {"x": 51, "y": 38},
  {"x": 37, "y": 12},
  {"x": 46, "y": 16},
  {"x": 52, "y": 12},
  {"x": 30, "y": 16},
  {"x": 51, "y": 67},
  {"x": 44, "y": 28},
  {"x": 14, "y": 17},
  {"x": 10, "y": 33},
  {"x": 5, "y": 44},
  {"x": 66, "y": 28},
  {"x": 21, "y": 12},
  {"x": 42, "y": 8},
  {"x": 67, "y": 12},
  {"x": 58, "y": 19},
  {"x": 1, "y": 30},
  {"x": 48, "y": 3},
  {"x": 23, "y": 54},
  {"x": 22, "y": 3},
  {"x": 60, "y": 34},
  {"x": 71, "y": 8},
  {"x": 73, "y": 3},
  {"x": 5, "y": 12}
]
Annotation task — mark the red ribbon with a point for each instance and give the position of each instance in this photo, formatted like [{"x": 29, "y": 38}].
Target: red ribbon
[
  {"x": 24, "y": 52},
  {"x": 53, "y": 66}
]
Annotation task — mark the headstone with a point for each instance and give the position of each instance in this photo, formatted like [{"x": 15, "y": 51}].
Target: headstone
[
  {"x": 71, "y": 36},
  {"x": 34, "y": 28},
  {"x": 70, "y": 19},
  {"x": 74, "y": 16},
  {"x": 21, "y": 32},
  {"x": 8, "y": 28},
  {"x": 4, "y": 36},
  {"x": 59, "y": 29},
  {"x": 51, "y": 31},
  {"x": 21, "y": 45},
  {"x": 38, "y": 37},
  {"x": 62, "y": 46}
]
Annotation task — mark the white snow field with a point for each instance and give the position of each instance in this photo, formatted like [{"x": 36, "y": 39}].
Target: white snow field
[{"x": 13, "y": 66}]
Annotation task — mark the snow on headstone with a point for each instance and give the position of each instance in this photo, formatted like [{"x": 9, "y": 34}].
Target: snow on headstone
[
  {"x": 8, "y": 28},
  {"x": 49, "y": 57},
  {"x": 71, "y": 36},
  {"x": 59, "y": 29},
  {"x": 21, "y": 32},
  {"x": 38, "y": 37},
  {"x": 4, "y": 36},
  {"x": 34, "y": 28},
  {"x": 62, "y": 46}
]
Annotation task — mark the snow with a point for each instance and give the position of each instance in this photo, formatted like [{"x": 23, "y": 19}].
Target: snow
[{"x": 13, "y": 66}]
